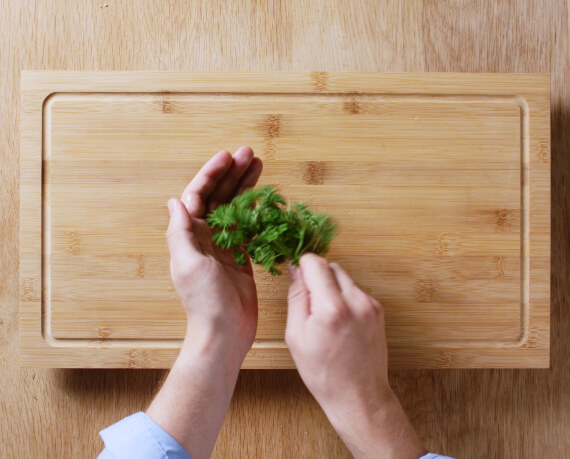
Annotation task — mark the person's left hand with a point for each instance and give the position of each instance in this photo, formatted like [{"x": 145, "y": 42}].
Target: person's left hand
[{"x": 219, "y": 297}]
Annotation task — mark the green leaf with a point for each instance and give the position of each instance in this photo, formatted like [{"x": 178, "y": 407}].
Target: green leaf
[{"x": 271, "y": 233}]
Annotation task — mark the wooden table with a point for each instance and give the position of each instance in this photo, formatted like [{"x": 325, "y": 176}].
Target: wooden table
[{"x": 491, "y": 413}]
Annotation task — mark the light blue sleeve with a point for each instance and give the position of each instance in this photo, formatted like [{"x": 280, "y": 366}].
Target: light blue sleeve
[
  {"x": 435, "y": 456},
  {"x": 138, "y": 436}
]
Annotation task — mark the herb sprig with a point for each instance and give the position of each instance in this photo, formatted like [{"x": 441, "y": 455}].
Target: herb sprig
[{"x": 259, "y": 222}]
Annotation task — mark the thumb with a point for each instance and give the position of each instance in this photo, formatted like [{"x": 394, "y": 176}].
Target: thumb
[
  {"x": 298, "y": 299},
  {"x": 182, "y": 242}
]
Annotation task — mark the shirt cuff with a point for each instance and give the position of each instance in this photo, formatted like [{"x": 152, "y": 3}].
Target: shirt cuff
[
  {"x": 435, "y": 456},
  {"x": 138, "y": 436}
]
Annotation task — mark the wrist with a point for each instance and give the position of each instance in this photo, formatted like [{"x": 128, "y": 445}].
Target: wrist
[
  {"x": 195, "y": 397},
  {"x": 379, "y": 428},
  {"x": 207, "y": 337},
  {"x": 212, "y": 353}
]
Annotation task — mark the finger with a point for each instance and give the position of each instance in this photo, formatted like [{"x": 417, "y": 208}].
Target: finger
[
  {"x": 203, "y": 234},
  {"x": 298, "y": 304},
  {"x": 345, "y": 282},
  {"x": 182, "y": 242},
  {"x": 227, "y": 184},
  {"x": 197, "y": 193},
  {"x": 324, "y": 290},
  {"x": 250, "y": 177},
  {"x": 355, "y": 298}
]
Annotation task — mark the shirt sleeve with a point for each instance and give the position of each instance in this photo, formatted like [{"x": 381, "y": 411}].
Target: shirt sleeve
[
  {"x": 435, "y": 456},
  {"x": 138, "y": 436}
]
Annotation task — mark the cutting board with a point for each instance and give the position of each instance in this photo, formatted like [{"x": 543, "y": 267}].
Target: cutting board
[{"x": 440, "y": 185}]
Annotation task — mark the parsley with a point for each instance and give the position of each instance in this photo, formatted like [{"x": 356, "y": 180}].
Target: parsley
[{"x": 258, "y": 222}]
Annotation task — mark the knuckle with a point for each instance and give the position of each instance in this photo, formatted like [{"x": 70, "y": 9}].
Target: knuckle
[
  {"x": 364, "y": 306},
  {"x": 367, "y": 311},
  {"x": 358, "y": 295},
  {"x": 172, "y": 232},
  {"x": 380, "y": 313},
  {"x": 378, "y": 309},
  {"x": 168, "y": 233},
  {"x": 183, "y": 272},
  {"x": 335, "y": 317},
  {"x": 377, "y": 305},
  {"x": 337, "y": 304}
]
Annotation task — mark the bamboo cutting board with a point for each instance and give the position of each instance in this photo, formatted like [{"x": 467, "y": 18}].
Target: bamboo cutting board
[{"x": 440, "y": 184}]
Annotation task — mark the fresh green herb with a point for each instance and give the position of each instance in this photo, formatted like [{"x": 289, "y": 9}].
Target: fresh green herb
[{"x": 259, "y": 223}]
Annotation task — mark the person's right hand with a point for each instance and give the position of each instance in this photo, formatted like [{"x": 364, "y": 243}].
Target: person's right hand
[{"x": 335, "y": 333}]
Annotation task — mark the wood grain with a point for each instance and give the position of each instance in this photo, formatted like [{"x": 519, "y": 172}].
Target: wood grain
[
  {"x": 107, "y": 296},
  {"x": 464, "y": 413}
]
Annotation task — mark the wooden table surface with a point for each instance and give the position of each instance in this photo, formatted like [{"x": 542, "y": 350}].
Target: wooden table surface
[{"x": 464, "y": 413}]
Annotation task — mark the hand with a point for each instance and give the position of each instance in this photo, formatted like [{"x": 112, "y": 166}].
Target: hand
[
  {"x": 219, "y": 297},
  {"x": 335, "y": 333},
  {"x": 220, "y": 301}
]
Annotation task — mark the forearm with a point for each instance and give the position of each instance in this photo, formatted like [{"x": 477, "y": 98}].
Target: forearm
[
  {"x": 192, "y": 403},
  {"x": 383, "y": 431}
]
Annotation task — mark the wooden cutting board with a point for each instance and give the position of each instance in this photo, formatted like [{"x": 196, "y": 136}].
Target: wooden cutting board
[{"x": 440, "y": 184}]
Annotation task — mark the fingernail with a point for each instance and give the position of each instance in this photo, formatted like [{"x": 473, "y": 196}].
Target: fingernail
[{"x": 172, "y": 206}]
